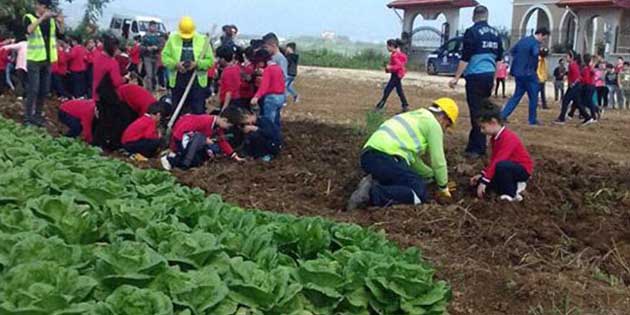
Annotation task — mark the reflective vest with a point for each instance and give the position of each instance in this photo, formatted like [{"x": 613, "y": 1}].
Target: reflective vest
[
  {"x": 36, "y": 50},
  {"x": 172, "y": 54}
]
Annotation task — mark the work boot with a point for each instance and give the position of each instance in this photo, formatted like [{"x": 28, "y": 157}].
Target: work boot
[{"x": 361, "y": 197}]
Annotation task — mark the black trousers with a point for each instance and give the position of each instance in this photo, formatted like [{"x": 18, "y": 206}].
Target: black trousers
[
  {"x": 506, "y": 178},
  {"x": 602, "y": 96},
  {"x": 73, "y": 124},
  {"x": 478, "y": 88},
  {"x": 573, "y": 96},
  {"x": 193, "y": 155},
  {"x": 395, "y": 82},
  {"x": 147, "y": 147},
  {"x": 496, "y": 87}
]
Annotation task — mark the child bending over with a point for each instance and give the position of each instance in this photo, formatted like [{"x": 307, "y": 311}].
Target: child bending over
[
  {"x": 263, "y": 139},
  {"x": 142, "y": 138}
]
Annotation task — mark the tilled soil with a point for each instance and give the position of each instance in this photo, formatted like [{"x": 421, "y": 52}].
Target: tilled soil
[{"x": 564, "y": 250}]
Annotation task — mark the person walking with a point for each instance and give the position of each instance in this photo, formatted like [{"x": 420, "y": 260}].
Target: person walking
[
  {"x": 397, "y": 69},
  {"x": 482, "y": 51},
  {"x": 524, "y": 71},
  {"x": 559, "y": 76},
  {"x": 185, "y": 53},
  {"x": 42, "y": 29}
]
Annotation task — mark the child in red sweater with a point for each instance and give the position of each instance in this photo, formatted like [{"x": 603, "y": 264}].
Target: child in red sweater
[
  {"x": 193, "y": 136},
  {"x": 78, "y": 116},
  {"x": 59, "y": 71},
  {"x": 510, "y": 164},
  {"x": 272, "y": 88},
  {"x": 397, "y": 69},
  {"x": 589, "y": 90},
  {"x": 77, "y": 64},
  {"x": 230, "y": 81},
  {"x": 142, "y": 138}
]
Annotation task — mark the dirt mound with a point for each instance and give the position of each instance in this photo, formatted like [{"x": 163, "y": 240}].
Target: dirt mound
[{"x": 569, "y": 239}]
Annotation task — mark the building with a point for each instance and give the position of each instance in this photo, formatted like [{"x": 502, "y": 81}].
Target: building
[{"x": 586, "y": 26}]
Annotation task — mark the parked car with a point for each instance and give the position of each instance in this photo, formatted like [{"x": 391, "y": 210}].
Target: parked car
[
  {"x": 446, "y": 58},
  {"x": 131, "y": 26}
]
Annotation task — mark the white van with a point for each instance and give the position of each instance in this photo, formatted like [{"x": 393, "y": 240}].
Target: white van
[{"x": 131, "y": 26}]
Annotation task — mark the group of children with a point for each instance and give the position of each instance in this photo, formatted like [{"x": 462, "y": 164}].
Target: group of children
[{"x": 253, "y": 84}]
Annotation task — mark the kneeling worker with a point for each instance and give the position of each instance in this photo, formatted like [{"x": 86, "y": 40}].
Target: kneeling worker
[{"x": 392, "y": 158}]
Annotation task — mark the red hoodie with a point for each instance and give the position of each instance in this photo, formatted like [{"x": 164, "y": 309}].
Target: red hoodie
[
  {"x": 573, "y": 75},
  {"x": 77, "y": 59},
  {"x": 104, "y": 64},
  {"x": 143, "y": 128},
  {"x": 247, "y": 90},
  {"x": 4, "y": 59},
  {"x": 272, "y": 81},
  {"x": 61, "y": 66},
  {"x": 134, "y": 54},
  {"x": 199, "y": 123},
  {"x": 588, "y": 76},
  {"x": 230, "y": 82},
  {"x": 506, "y": 146},
  {"x": 83, "y": 110},
  {"x": 398, "y": 63},
  {"x": 137, "y": 97}
]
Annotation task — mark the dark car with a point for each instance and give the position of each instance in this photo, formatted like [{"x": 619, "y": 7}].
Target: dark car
[{"x": 446, "y": 58}]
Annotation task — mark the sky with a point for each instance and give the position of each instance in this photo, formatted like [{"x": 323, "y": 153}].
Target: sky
[{"x": 362, "y": 20}]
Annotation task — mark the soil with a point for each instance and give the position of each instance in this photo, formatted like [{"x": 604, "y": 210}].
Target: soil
[{"x": 564, "y": 250}]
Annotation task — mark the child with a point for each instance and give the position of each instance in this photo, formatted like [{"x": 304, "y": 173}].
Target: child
[
  {"x": 248, "y": 68},
  {"x": 396, "y": 66},
  {"x": 559, "y": 75},
  {"x": 543, "y": 75},
  {"x": 59, "y": 72},
  {"x": 90, "y": 46},
  {"x": 142, "y": 138},
  {"x": 191, "y": 140},
  {"x": 294, "y": 60},
  {"x": 612, "y": 80},
  {"x": 263, "y": 140},
  {"x": 78, "y": 116},
  {"x": 624, "y": 81},
  {"x": 510, "y": 164},
  {"x": 78, "y": 68},
  {"x": 134, "y": 57},
  {"x": 574, "y": 93},
  {"x": 600, "y": 86},
  {"x": 230, "y": 81},
  {"x": 502, "y": 73},
  {"x": 136, "y": 97},
  {"x": 588, "y": 86},
  {"x": 272, "y": 88},
  {"x": 19, "y": 49}
]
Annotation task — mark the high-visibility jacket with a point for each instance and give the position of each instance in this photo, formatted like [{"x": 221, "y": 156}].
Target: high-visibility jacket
[
  {"x": 543, "y": 70},
  {"x": 36, "y": 50},
  {"x": 172, "y": 54},
  {"x": 409, "y": 136}
]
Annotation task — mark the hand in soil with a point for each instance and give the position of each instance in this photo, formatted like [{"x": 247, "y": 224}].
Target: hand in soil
[{"x": 481, "y": 190}]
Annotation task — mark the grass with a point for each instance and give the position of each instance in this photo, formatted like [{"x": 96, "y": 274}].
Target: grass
[
  {"x": 564, "y": 307},
  {"x": 368, "y": 59}
]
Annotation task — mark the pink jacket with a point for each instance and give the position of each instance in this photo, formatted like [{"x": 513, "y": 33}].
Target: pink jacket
[
  {"x": 502, "y": 71},
  {"x": 398, "y": 64},
  {"x": 20, "y": 47}
]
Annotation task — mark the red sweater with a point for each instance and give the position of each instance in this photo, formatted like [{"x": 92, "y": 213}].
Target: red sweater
[
  {"x": 137, "y": 97},
  {"x": 199, "y": 123},
  {"x": 272, "y": 81},
  {"x": 398, "y": 63},
  {"x": 574, "y": 73},
  {"x": 588, "y": 76},
  {"x": 77, "y": 59},
  {"x": 123, "y": 63},
  {"x": 230, "y": 82},
  {"x": 84, "y": 111},
  {"x": 4, "y": 58},
  {"x": 104, "y": 64},
  {"x": 143, "y": 128},
  {"x": 247, "y": 88},
  {"x": 61, "y": 66},
  {"x": 134, "y": 54},
  {"x": 506, "y": 146}
]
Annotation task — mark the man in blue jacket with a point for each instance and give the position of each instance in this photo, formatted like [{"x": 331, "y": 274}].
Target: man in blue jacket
[
  {"x": 483, "y": 49},
  {"x": 524, "y": 70}
]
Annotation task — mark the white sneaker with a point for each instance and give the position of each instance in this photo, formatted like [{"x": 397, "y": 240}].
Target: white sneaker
[
  {"x": 520, "y": 187},
  {"x": 165, "y": 163},
  {"x": 589, "y": 122},
  {"x": 507, "y": 198}
]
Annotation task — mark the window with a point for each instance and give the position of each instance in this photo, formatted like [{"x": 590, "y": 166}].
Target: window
[
  {"x": 134, "y": 27},
  {"x": 453, "y": 46},
  {"x": 116, "y": 23}
]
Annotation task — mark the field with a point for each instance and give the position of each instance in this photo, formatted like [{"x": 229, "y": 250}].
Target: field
[{"x": 564, "y": 251}]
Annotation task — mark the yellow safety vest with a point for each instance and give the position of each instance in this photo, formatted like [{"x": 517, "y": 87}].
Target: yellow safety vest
[{"x": 36, "y": 50}]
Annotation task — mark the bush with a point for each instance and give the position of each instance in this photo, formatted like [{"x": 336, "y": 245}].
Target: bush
[{"x": 366, "y": 59}]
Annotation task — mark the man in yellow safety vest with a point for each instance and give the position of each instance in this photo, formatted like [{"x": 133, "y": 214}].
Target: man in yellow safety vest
[
  {"x": 42, "y": 28},
  {"x": 185, "y": 53},
  {"x": 392, "y": 157}
]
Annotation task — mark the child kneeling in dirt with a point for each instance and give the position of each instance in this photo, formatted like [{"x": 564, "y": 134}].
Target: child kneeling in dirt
[
  {"x": 192, "y": 142},
  {"x": 78, "y": 116},
  {"x": 510, "y": 164},
  {"x": 263, "y": 139},
  {"x": 142, "y": 138}
]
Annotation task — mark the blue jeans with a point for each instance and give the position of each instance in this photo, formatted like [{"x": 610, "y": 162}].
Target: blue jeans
[
  {"x": 478, "y": 88},
  {"x": 74, "y": 124},
  {"x": 506, "y": 178},
  {"x": 396, "y": 183},
  {"x": 271, "y": 107},
  {"x": 7, "y": 75},
  {"x": 529, "y": 85},
  {"x": 290, "y": 89}
]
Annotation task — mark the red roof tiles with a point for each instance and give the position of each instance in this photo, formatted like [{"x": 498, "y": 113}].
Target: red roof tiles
[
  {"x": 404, "y": 4},
  {"x": 595, "y": 3}
]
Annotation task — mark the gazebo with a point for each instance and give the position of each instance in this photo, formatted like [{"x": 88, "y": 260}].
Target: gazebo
[{"x": 431, "y": 10}]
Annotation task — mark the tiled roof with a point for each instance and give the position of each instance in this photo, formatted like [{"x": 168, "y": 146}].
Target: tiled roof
[{"x": 403, "y": 4}]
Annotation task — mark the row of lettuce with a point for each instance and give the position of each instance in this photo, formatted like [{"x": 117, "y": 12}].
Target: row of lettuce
[{"x": 81, "y": 234}]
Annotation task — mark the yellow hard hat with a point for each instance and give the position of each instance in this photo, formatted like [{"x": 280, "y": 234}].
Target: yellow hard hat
[
  {"x": 187, "y": 27},
  {"x": 449, "y": 107}
]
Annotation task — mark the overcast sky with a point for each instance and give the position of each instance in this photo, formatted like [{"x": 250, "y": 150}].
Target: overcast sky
[{"x": 365, "y": 20}]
